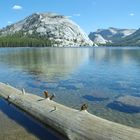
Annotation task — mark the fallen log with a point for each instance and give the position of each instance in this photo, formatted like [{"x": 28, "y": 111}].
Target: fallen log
[{"x": 74, "y": 124}]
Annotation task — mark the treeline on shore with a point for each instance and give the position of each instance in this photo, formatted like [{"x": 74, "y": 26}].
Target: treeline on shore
[{"x": 20, "y": 40}]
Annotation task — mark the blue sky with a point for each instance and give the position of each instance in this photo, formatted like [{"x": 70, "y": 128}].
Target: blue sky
[{"x": 89, "y": 14}]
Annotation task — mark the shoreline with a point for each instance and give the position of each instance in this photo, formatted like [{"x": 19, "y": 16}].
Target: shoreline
[{"x": 99, "y": 46}]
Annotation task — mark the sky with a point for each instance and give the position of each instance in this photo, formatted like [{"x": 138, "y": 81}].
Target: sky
[{"x": 89, "y": 14}]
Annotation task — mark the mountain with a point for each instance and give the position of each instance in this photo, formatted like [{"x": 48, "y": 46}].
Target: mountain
[
  {"x": 57, "y": 29},
  {"x": 103, "y": 36},
  {"x": 97, "y": 38},
  {"x": 131, "y": 40}
]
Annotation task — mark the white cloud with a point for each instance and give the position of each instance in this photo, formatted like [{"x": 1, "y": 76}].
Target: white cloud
[
  {"x": 69, "y": 16},
  {"x": 131, "y": 14},
  {"x": 74, "y": 15},
  {"x": 17, "y": 7},
  {"x": 77, "y": 15},
  {"x": 9, "y": 22}
]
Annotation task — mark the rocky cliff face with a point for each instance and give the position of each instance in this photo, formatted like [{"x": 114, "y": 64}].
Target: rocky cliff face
[
  {"x": 110, "y": 35},
  {"x": 52, "y": 26},
  {"x": 97, "y": 38},
  {"x": 131, "y": 40}
]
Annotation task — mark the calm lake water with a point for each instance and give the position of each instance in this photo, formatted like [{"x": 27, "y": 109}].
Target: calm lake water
[{"x": 97, "y": 76}]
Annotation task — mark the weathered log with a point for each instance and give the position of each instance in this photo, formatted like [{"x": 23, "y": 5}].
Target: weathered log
[{"x": 74, "y": 124}]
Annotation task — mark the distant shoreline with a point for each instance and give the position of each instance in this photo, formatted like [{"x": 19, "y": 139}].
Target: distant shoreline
[{"x": 71, "y": 47}]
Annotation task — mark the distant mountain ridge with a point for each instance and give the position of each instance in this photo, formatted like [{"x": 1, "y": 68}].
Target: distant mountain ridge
[
  {"x": 131, "y": 40},
  {"x": 110, "y": 35},
  {"x": 51, "y": 29},
  {"x": 58, "y": 29}
]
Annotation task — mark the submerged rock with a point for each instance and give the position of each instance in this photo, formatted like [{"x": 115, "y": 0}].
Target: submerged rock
[
  {"x": 127, "y": 104},
  {"x": 94, "y": 98},
  {"x": 68, "y": 87},
  {"x": 129, "y": 100}
]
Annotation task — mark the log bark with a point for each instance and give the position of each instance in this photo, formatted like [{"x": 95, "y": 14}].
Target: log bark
[{"x": 74, "y": 124}]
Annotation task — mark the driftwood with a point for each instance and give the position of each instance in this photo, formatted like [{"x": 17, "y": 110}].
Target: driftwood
[{"x": 74, "y": 124}]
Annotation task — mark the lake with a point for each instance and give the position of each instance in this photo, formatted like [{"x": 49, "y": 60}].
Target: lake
[{"x": 97, "y": 76}]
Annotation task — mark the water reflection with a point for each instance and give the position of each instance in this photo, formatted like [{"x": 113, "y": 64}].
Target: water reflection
[
  {"x": 63, "y": 61},
  {"x": 50, "y": 61},
  {"x": 112, "y": 55}
]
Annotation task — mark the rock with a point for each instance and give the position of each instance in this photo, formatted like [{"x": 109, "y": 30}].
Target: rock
[
  {"x": 129, "y": 100},
  {"x": 97, "y": 38},
  {"x": 127, "y": 104},
  {"x": 94, "y": 98},
  {"x": 131, "y": 40},
  {"x": 51, "y": 26},
  {"x": 103, "y": 36}
]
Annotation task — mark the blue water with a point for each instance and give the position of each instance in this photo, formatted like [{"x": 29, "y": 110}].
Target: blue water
[{"x": 97, "y": 76}]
